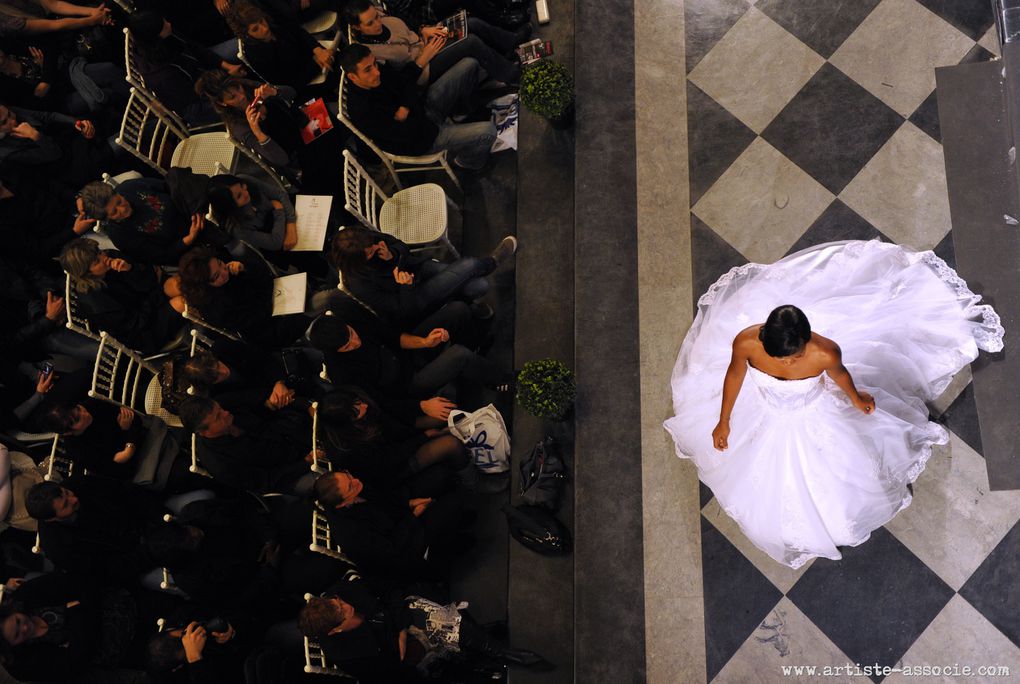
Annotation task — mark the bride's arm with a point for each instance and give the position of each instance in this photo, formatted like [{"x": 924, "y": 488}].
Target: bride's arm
[
  {"x": 731, "y": 388},
  {"x": 841, "y": 376}
]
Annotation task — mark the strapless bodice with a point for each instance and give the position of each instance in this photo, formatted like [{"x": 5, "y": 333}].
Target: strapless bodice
[{"x": 787, "y": 395}]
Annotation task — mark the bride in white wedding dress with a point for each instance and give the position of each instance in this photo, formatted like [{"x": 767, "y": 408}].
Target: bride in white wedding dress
[{"x": 818, "y": 450}]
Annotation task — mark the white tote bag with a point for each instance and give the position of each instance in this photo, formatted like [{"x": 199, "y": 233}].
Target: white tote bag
[{"x": 484, "y": 434}]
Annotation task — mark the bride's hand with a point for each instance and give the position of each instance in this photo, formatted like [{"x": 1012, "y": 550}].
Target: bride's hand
[
  {"x": 720, "y": 435},
  {"x": 865, "y": 402}
]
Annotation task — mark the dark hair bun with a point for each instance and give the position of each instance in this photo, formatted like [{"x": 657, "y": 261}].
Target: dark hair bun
[{"x": 785, "y": 331}]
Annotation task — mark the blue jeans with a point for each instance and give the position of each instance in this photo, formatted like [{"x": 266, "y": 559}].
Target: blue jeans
[
  {"x": 470, "y": 142},
  {"x": 440, "y": 282},
  {"x": 485, "y": 43},
  {"x": 453, "y": 362}
]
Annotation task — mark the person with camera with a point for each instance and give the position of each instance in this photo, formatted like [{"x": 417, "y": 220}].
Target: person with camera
[{"x": 194, "y": 649}]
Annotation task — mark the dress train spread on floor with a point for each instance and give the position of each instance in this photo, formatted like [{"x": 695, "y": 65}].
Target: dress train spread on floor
[{"x": 805, "y": 471}]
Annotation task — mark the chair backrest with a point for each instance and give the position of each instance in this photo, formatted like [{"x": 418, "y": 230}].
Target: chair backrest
[
  {"x": 320, "y": 462},
  {"x": 193, "y": 316},
  {"x": 345, "y": 119},
  {"x": 257, "y": 159},
  {"x": 134, "y": 75},
  {"x": 149, "y": 132},
  {"x": 195, "y": 467},
  {"x": 117, "y": 373},
  {"x": 362, "y": 197},
  {"x": 322, "y": 538},
  {"x": 315, "y": 658},
  {"x": 72, "y": 308},
  {"x": 199, "y": 342},
  {"x": 60, "y": 465}
]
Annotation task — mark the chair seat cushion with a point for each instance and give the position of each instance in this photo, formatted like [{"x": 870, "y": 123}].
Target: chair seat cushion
[
  {"x": 201, "y": 152},
  {"x": 415, "y": 215}
]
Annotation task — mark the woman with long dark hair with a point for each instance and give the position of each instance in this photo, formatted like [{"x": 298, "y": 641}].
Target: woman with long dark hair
[{"x": 820, "y": 449}]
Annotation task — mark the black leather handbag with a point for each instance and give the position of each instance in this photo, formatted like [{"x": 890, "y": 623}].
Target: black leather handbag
[{"x": 536, "y": 528}]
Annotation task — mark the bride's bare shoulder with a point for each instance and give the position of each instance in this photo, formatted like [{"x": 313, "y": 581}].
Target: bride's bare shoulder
[
  {"x": 825, "y": 347},
  {"x": 747, "y": 339}
]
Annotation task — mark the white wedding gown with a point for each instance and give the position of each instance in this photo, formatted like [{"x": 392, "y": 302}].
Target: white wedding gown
[{"x": 805, "y": 471}]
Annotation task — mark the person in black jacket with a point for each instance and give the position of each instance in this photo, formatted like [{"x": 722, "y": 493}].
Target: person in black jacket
[
  {"x": 93, "y": 527},
  {"x": 223, "y": 553},
  {"x": 385, "y": 105},
  {"x": 122, "y": 298},
  {"x": 360, "y": 349},
  {"x": 278, "y": 48},
  {"x": 388, "y": 533},
  {"x": 250, "y": 447},
  {"x": 403, "y": 287},
  {"x": 398, "y": 637}
]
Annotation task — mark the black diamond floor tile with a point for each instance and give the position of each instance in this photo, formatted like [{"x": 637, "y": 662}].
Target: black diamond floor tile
[
  {"x": 994, "y": 588},
  {"x": 737, "y": 597},
  {"x": 832, "y": 128},
  {"x": 973, "y": 17},
  {"x": 962, "y": 418},
  {"x": 977, "y": 54},
  {"x": 837, "y": 222},
  {"x": 926, "y": 116},
  {"x": 946, "y": 250},
  {"x": 704, "y": 494},
  {"x": 875, "y": 602},
  {"x": 715, "y": 138},
  {"x": 711, "y": 256},
  {"x": 823, "y": 26},
  {"x": 705, "y": 22}
]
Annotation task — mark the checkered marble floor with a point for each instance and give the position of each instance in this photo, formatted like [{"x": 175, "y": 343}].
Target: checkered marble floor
[{"x": 810, "y": 122}]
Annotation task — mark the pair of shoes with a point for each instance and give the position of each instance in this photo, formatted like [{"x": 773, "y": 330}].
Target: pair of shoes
[
  {"x": 506, "y": 248},
  {"x": 480, "y": 311}
]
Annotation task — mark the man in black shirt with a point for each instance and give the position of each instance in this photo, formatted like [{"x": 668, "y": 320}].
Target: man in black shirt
[
  {"x": 384, "y": 104},
  {"x": 362, "y": 350},
  {"x": 261, "y": 451}
]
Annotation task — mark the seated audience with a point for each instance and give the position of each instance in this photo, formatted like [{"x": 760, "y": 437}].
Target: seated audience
[
  {"x": 197, "y": 647},
  {"x": 259, "y": 213},
  {"x": 170, "y": 63},
  {"x": 31, "y": 78},
  {"x": 263, "y": 118},
  {"x": 387, "y": 533},
  {"x": 144, "y": 221},
  {"x": 249, "y": 446},
  {"x": 123, "y": 298},
  {"x": 222, "y": 553},
  {"x": 384, "y": 450},
  {"x": 237, "y": 296},
  {"x": 385, "y": 105},
  {"x": 393, "y": 42},
  {"x": 400, "y": 637},
  {"x": 57, "y": 630},
  {"x": 101, "y": 436},
  {"x": 403, "y": 287},
  {"x": 362, "y": 350},
  {"x": 93, "y": 527},
  {"x": 277, "y": 48},
  {"x": 34, "y": 219},
  {"x": 54, "y": 145}
]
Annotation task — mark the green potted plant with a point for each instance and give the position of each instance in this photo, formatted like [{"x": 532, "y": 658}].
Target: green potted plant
[
  {"x": 547, "y": 88},
  {"x": 546, "y": 388}
]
